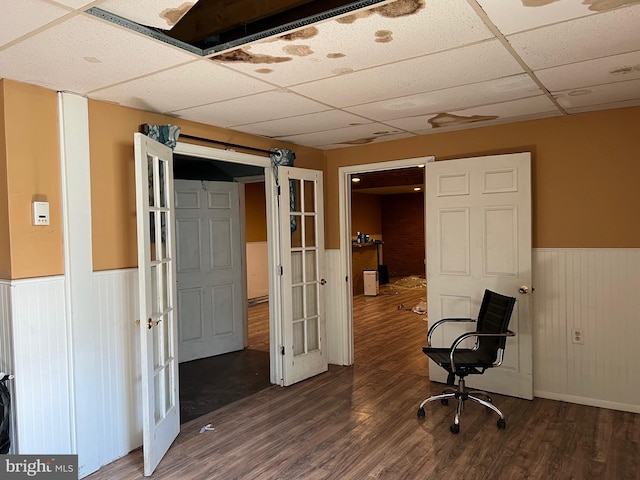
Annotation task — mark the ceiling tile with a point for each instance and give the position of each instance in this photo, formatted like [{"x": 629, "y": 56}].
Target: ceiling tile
[
  {"x": 601, "y": 94},
  {"x": 476, "y": 115},
  {"x": 162, "y": 14},
  {"x": 83, "y": 54},
  {"x": 20, "y": 18},
  {"x": 605, "y": 106},
  {"x": 313, "y": 122},
  {"x": 354, "y": 42},
  {"x": 77, "y": 4},
  {"x": 198, "y": 83},
  {"x": 617, "y": 68},
  {"x": 516, "y": 16},
  {"x": 343, "y": 137},
  {"x": 475, "y": 63},
  {"x": 261, "y": 107},
  {"x": 610, "y": 33},
  {"x": 491, "y": 91}
]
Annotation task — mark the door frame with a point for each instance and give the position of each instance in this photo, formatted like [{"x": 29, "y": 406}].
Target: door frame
[
  {"x": 345, "y": 351},
  {"x": 275, "y": 307}
]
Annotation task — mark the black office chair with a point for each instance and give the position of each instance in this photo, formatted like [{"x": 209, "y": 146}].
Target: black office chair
[{"x": 490, "y": 339}]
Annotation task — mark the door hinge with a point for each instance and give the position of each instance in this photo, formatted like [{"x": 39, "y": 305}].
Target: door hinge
[
  {"x": 281, "y": 271},
  {"x": 282, "y": 350},
  {"x": 278, "y": 190}
]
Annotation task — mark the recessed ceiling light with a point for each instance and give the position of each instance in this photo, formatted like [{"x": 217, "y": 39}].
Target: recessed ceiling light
[
  {"x": 355, "y": 179},
  {"x": 421, "y": 166}
]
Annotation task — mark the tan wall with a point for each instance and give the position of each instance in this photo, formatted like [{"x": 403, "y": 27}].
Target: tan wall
[
  {"x": 5, "y": 244},
  {"x": 366, "y": 214},
  {"x": 255, "y": 212},
  {"x": 585, "y": 173},
  {"x": 32, "y": 174},
  {"x": 111, "y": 129}
]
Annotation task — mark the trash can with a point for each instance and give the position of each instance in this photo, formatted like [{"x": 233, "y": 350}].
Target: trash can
[{"x": 370, "y": 282}]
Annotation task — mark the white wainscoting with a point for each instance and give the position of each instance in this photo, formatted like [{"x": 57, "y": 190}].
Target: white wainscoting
[
  {"x": 115, "y": 295},
  {"x": 335, "y": 308},
  {"x": 42, "y": 403},
  {"x": 257, "y": 270},
  {"x": 595, "y": 291},
  {"x": 6, "y": 349}
]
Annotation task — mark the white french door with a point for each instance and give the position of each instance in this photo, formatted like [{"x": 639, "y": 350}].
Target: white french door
[
  {"x": 156, "y": 277},
  {"x": 479, "y": 237},
  {"x": 302, "y": 254}
]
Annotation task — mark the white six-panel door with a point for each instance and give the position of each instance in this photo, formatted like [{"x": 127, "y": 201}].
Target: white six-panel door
[
  {"x": 209, "y": 255},
  {"x": 478, "y": 223}
]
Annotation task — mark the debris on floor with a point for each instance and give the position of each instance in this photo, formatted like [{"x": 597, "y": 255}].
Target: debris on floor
[{"x": 206, "y": 428}]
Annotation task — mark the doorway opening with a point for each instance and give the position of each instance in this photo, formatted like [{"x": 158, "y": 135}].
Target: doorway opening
[
  {"x": 221, "y": 361},
  {"x": 371, "y": 196},
  {"x": 388, "y": 268}
]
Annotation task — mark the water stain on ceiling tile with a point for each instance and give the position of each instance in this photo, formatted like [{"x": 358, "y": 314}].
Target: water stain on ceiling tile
[
  {"x": 626, "y": 70},
  {"x": 303, "y": 34},
  {"x": 604, "y": 5},
  {"x": 335, "y": 55},
  {"x": 264, "y": 70},
  {"x": 242, "y": 56},
  {"x": 449, "y": 119},
  {"x": 173, "y": 15},
  {"x": 537, "y": 3},
  {"x": 365, "y": 140},
  {"x": 359, "y": 141},
  {"x": 384, "y": 36},
  {"x": 579, "y": 93},
  {"x": 400, "y": 8},
  {"x": 298, "y": 50},
  {"x": 342, "y": 71}
]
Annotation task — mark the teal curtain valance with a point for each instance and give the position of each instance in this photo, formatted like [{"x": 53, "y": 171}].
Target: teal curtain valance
[{"x": 165, "y": 134}]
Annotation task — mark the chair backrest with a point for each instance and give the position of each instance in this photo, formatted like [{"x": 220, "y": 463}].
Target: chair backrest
[{"x": 494, "y": 316}]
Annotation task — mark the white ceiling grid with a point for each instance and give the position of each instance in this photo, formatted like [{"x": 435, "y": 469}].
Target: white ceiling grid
[{"x": 345, "y": 81}]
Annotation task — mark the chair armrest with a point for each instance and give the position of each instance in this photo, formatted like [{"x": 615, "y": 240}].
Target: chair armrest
[
  {"x": 445, "y": 320},
  {"x": 464, "y": 336}
]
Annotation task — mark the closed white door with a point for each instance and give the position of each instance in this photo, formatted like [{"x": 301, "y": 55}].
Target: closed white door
[
  {"x": 156, "y": 277},
  {"x": 302, "y": 251},
  {"x": 209, "y": 256},
  {"x": 479, "y": 237}
]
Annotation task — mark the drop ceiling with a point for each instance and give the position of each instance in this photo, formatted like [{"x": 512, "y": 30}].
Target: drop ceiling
[{"x": 391, "y": 70}]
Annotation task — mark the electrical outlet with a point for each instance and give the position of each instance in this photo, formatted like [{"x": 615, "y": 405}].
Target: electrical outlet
[{"x": 576, "y": 336}]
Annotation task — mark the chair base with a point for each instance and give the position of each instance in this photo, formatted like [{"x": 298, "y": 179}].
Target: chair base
[{"x": 462, "y": 395}]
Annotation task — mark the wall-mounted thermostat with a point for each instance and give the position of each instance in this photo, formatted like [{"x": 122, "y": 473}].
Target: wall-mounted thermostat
[{"x": 41, "y": 213}]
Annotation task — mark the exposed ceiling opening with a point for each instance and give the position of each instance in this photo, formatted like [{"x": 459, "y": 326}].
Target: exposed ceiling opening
[{"x": 210, "y": 26}]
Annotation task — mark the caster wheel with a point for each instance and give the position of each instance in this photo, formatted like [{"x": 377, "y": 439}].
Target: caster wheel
[
  {"x": 421, "y": 412},
  {"x": 455, "y": 429},
  {"x": 444, "y": 401},
  {"x": 502, "y": 423}
]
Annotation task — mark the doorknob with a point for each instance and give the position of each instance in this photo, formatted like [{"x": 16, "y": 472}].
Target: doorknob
[
  {"x": 323, "y": 281},
  {"x": 524, "y": 289},
  {"x": 152, "y": 323}
]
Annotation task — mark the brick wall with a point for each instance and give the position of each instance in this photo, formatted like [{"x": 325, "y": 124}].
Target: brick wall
[{"x": 403, "y": 233}]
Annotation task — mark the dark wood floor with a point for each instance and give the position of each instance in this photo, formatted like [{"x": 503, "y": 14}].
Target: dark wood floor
[{"x": 360, "y": 422}]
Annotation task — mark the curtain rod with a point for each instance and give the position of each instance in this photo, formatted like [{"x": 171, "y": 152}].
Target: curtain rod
[{"x": 226, "y": 144}]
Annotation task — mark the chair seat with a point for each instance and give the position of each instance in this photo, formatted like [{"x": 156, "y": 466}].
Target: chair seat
[{"x": 463, "y": 358}]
